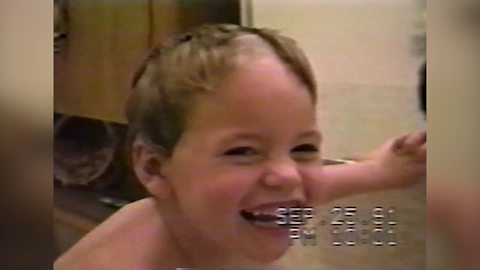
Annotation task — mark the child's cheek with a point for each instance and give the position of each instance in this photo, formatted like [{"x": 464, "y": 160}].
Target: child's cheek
[
  {"x": 313, "y": 179},
  {"x": 237, "y": 184}
]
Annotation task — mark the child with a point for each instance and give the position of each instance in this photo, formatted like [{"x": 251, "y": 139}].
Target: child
[{"x": 225, "y": 131}]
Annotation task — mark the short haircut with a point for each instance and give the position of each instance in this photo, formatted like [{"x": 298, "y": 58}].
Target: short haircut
[{"x": 173, "y": 74}]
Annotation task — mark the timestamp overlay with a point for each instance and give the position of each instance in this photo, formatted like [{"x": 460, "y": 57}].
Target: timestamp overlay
[{"x": 347, "y": 226}]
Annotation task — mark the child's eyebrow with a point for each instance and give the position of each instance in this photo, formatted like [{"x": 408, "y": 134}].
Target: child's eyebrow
[
  {"x": 313, "y": 133},
  {"x": 251, "y": 136},
  {"x": 247, "y": 136}
]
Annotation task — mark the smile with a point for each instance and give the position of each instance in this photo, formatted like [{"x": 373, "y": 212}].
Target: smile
[
  {"x": 265, "y": 215},
  {"x": 266, "y": 220}
]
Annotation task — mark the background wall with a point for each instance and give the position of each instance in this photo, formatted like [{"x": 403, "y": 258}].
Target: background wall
[
  {"x": 361, "y": 51},
  {"x": 366, "y": 70}
]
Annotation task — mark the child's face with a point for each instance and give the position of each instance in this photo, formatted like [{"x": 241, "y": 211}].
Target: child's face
[{"x": 252, "y": 145}]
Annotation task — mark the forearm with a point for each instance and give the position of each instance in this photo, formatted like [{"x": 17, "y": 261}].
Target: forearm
[
  {"x": 398, "y": 163},
  {"x": 350, "y": 179}
]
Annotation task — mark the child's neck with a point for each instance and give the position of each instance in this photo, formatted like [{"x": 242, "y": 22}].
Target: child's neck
[{"x": 196, "y": 250}]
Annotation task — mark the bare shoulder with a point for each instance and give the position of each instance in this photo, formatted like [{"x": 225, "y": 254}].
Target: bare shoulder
[{"x": 132, "y": 238}]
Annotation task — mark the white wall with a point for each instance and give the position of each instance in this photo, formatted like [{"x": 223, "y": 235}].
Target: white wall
[{"x": 361, "y": 51}]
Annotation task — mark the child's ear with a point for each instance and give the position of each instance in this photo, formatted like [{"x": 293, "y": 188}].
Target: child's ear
[{"x": 148, "y": 166}]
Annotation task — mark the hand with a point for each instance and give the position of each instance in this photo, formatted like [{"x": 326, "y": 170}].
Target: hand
[
  {"x": 402, "y": 160},
  {"x": 398, "y": 163}
]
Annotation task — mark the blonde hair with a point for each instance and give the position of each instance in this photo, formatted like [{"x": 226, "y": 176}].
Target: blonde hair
[{"x": 173, "y": 74}]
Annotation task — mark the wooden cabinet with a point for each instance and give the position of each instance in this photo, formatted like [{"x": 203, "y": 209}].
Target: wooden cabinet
[
  {"x": 107, "y": 40},
  {"x": 105, "y": 43}
]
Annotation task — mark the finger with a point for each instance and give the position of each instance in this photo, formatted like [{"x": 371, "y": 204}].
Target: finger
[
  {"x": 415, "y": 140},
  {"x": 420, "y": 138},
  {"x": 398, "y": 144}
]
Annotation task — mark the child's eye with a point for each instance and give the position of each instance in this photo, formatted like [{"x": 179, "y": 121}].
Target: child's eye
[
  {"x": 305, "y": 152},
  {"x": 305, "y": 148},
  {"x": 240, "y": 151},
  {"x": 242, "y": 155}
]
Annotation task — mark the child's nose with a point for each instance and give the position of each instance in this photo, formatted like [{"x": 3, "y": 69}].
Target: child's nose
[{"x": 283, "y": 174}]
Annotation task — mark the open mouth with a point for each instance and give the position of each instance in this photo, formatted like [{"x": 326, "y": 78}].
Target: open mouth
[
  {"x": 267, "y": 215},
  {"x": 261, "y": 219}
]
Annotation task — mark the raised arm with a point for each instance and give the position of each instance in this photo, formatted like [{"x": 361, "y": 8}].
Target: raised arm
[{"x": 398, "y": 163}]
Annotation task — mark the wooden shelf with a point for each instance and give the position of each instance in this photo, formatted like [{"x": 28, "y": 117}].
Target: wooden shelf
[
  {"x": 80, "y": 204},
  {"x": 76, "y": 212}
]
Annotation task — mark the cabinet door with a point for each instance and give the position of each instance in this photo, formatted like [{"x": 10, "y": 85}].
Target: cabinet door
[
  {"x": 106, "y": 42},
  {"x": 175, "y": 16},
  {"x": 108, "y": 39}
]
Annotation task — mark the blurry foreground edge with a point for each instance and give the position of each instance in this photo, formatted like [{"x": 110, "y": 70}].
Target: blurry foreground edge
[
  {"x": 26, "y": 112},
  {"x": 453, "y": 58}
]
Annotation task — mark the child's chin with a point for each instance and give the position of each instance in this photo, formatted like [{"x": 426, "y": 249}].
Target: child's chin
[{"x": 267, "y": 255}]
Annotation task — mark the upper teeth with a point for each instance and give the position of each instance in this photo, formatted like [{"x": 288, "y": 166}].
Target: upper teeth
[{"x": 257, "y": 213}]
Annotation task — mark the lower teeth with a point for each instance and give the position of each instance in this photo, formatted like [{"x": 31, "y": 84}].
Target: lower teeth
[{"x": 265, "y": 224}]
